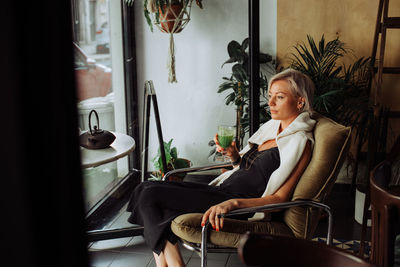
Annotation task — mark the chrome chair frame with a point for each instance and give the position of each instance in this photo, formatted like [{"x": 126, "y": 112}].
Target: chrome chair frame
[{"x": 204, "y": 233}]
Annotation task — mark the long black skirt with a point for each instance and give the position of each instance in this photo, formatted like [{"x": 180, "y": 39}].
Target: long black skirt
[{"x": 155, "y": 204}]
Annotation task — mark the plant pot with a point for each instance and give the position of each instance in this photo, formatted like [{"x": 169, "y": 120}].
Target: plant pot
[
  {"x": 359, "y": 207},
  {"x": 183, "y": 163},
  {"x": 168, "y": 18},
  {"x": 178, "y": 178},
  {"x": 179, "y": 164}
]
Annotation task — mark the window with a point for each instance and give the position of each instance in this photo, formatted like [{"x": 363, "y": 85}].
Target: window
[{"x": 99, "y": 72}]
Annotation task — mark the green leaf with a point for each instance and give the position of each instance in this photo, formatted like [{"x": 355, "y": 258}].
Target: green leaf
[
  {"x": 157, "y": 161},
  {"x": 231, "y": 60},
  {"x": 234, "y": 49},
  {"x": 180, "y": 163},
  {"x": 167, "y": 159},
  {"x": 212, "y": 152},
  {"x": 245, "y": 44},
  {"x": 239, "y": 73},
  {"x": 315, "y": 53},
  {"x": 225, "y": 86},
  {"x": 230, "y": 98},
  {"x": 174, "y": 153},
  {"x": 148, "y": 19},
  {"x": 265, "y": 58},
  {"x": 168, "y": 145}
]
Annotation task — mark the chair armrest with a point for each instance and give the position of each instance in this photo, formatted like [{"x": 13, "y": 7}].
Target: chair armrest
[
  {"x": 196, "y": 169},
  {"x": 282, "y": 205}
]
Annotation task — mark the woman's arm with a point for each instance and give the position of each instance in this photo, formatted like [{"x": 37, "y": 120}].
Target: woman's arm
[{"x": 281, "y": 195}]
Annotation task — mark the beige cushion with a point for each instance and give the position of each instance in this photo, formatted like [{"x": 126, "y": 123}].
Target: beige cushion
[
  {"x": 188, "y": 228},
  {"x": 331, "y": 143}
]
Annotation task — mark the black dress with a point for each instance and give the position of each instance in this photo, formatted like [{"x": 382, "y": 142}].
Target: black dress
[{"x": 154, "y": 204}]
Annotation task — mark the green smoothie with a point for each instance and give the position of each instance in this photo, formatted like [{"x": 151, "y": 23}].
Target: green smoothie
[
  {"x": 225, "y": 140},
  {"x": 226, "y": 135}
]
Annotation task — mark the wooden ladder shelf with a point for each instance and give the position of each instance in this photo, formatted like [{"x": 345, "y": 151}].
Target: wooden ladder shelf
[{"x": 383, "y": 22}]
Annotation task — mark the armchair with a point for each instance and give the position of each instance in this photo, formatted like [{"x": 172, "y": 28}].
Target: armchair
[
  {"x": 302, "y": 252},
  {"x": 301, "y": 215},
  {"x": 385, "y": 215}
]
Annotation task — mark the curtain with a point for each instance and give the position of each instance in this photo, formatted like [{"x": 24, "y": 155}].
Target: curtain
[{"x": 42, "y": 204}]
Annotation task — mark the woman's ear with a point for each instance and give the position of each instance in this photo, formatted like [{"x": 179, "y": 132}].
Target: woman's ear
[{"x": 301, "y": 102}]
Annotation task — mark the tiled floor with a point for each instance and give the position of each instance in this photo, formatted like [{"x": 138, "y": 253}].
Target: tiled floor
[{"x": 133, "y": 251}]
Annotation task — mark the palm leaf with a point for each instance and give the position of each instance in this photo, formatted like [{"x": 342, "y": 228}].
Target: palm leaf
[
  {"x": 225, "y": 86},
  {"x": 341, "y": 92}
]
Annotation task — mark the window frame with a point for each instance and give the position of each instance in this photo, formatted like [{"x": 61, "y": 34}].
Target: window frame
[{"x": 108, "y": 207}]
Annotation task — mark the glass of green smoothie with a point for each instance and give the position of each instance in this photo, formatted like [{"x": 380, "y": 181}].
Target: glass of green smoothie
[{"x": 226, "y": 135}]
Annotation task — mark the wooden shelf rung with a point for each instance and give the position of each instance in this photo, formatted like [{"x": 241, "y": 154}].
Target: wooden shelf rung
[
  {"x": 392, "y": 22},
  {"x": 390, "y": 70},
  {"x": 394, "y": 114}
]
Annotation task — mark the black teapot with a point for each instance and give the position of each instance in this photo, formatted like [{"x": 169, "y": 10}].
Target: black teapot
[{"x": 96, "y": 138}]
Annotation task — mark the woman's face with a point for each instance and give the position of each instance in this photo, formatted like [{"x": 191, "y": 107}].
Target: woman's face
[{"x": 284, "y": 106}]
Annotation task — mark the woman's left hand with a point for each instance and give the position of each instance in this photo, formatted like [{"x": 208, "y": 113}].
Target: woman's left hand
[{"x": 212, "y": 214}]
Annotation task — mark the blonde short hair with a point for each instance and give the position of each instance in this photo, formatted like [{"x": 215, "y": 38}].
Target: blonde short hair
[{"x": 299, "y": 84}]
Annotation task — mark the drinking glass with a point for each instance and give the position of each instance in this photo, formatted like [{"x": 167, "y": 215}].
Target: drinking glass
[{"x": 226, "y": 135}]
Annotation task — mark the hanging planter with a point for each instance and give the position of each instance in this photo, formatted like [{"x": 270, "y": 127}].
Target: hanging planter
[
  {"x": 153, "y": 10},
  {"x": 170, "y": 16},
  {"x": 170, "y": 20}
]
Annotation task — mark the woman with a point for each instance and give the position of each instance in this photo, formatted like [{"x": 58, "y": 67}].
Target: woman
[{"x": 265, "y": 171}]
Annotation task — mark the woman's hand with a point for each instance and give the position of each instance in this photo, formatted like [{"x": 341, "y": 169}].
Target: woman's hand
[
  {"x": 212, "y": 214},
  {"x": 230, "y": 151}
]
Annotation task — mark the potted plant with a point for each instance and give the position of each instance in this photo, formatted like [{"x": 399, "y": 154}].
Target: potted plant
[
  {"x": 171, "y": 16},
  {"x": 238, "y": 86},
  {"x": 173, "y": 162},
  {"x": 343, "y": 94}
]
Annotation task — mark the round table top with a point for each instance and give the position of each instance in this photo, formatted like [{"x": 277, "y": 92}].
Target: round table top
[{"x": 122, "y": 146}]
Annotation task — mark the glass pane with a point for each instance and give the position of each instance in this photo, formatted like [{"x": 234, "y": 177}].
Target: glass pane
[{"x": 93, "y": 71}]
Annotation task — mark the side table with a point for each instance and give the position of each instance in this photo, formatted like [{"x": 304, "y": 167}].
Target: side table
[{"x": 121, "y": 147}]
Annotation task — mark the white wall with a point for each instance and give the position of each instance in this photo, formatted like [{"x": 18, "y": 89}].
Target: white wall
[{"x": 192, "y": 109}]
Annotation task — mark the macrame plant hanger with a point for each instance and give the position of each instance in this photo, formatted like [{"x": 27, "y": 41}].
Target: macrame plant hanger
[{"x": 172, "y": 20}]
